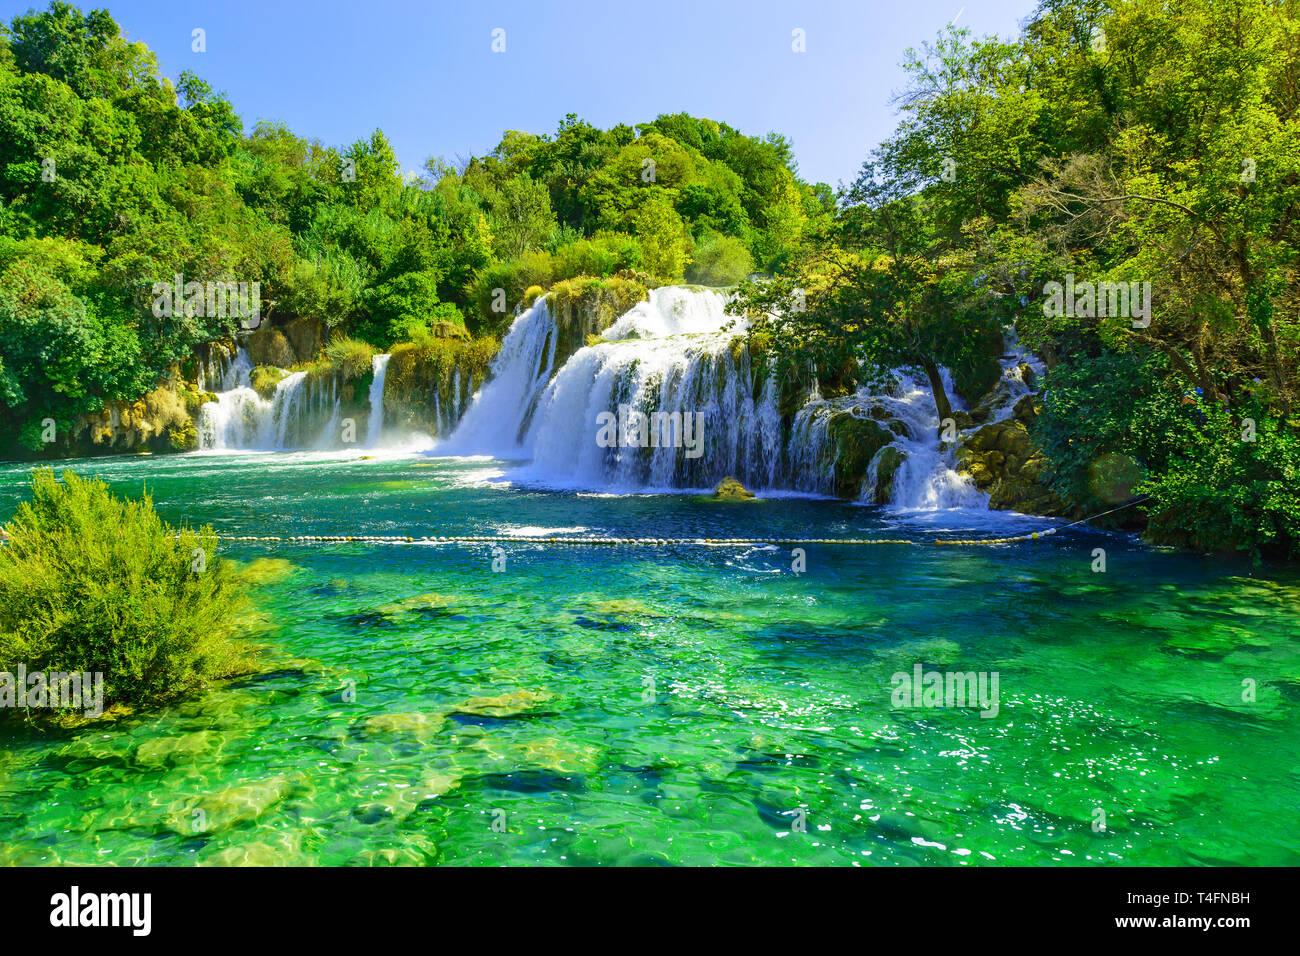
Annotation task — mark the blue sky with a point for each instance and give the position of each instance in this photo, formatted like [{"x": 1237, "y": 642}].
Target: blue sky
[{"x": 425, "y": 73}]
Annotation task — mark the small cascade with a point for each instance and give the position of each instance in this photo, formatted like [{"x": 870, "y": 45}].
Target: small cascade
[
  {"x": 301, "y": 414},
  {"x": 495, "y": 421},
  {"x": 236, "y": 374},
  {"x": 375, "y": 425},
  {"x": 927, "y": 477}
]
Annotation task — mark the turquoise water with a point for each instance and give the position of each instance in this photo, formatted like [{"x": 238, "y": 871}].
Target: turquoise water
[{"x": 684, "y": 704}]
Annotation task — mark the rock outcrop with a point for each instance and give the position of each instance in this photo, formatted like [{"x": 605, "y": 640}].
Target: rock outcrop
[
  {"x": 1004, "y": 462},
  {"x": 729, "y": 489}
]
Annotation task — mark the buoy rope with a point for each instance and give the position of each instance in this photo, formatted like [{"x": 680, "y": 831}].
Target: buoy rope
[{"x": 633, "y": 542}]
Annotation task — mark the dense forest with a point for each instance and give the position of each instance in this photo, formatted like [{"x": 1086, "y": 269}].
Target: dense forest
[
  {"x": 1112, "y": 142},
  {"x": 1119, "y": 183},
  {"x": 114, "y": 179}
]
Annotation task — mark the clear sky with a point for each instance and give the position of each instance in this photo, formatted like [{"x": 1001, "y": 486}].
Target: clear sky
[{"x": 425, "y": 72}]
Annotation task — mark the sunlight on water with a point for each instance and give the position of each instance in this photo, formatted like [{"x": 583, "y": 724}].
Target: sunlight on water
[{"x": 680, "y": 705}]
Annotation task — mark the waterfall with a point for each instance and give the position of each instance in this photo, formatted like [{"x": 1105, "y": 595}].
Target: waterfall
[
  {"x": 497, "y": 416},
  {"x": 927, "y": 478},
  {"x": 676, "y": 360},
  {"x": 241, "y": 420},
  {"x": 375, "y": 425},
  {"x": 667, "y": 397}
]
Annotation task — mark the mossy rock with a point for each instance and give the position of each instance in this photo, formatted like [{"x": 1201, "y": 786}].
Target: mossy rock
[
  {"x": 856, "y": 442},
  {"x": 1004, "y": 462},
  {"x": 586, "y": 306},
  {"x": 183, "y": 437},
  {"x": 305, "y": 336},
  {"x": 268, "y": 346},
  {"x": 264, "y": 379},
  {"x": 729, "y": 489},
  {"x": 888, "y": 460}
]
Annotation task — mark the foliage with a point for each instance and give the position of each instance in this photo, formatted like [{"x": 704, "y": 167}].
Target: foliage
[
  {"x": 90, "y": 582},
  {"x": 720, "y": 261},
  {"x": 113, "y": 179},
  {"x": 1109, "y": 143}
]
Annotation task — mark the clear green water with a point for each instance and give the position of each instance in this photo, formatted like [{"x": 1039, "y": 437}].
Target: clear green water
[{"x": 682, "y": 702}]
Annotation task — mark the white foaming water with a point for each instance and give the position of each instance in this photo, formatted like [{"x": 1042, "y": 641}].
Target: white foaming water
[
  {"x": 670, "y": 311},
  {"x": 241, "y": 420},
  {"x": 927, "y": 479},
  {"x": 375, "y": 426},
  {"x": 502, "y": 407},
  {"x": 677, "y": 355}
]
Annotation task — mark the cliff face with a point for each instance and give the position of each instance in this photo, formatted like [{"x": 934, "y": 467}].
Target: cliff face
[
  {"x": 428, "y": 384},
  {"x": 296, "y": 342},
  {"x": 584, "y": 307},
  {"x": 161, "y": 421}
]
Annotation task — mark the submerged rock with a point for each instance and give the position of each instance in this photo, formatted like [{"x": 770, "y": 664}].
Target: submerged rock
[
  {"x": 161, "y": 751},
  {"x": 263, "y": 571},
  {"x": 416, "y": 724},
  {"x": 729, "y": 489},
  {"x": 502, "y": 705},
  {"x": 230, "y": 807}
]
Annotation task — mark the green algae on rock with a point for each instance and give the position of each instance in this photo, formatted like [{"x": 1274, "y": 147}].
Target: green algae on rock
[{"x": 729, "y": 489}]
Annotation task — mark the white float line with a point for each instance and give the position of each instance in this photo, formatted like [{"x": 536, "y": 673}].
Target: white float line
[{"x": 592, "y": 541}]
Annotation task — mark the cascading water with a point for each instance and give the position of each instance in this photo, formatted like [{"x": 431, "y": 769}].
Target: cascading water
[
  {"x": 241, "y": 420},
  {"x": 676, "y": 364},
  {"x": 375, "y": 426},
  {"x": 927, "y": 477},
  {"x": 709, "y": 411},
  {"x": 498, "y": 415}
]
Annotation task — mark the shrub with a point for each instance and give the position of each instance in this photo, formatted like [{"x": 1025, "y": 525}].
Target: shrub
[
  {"x": 602, "y": 255},
  {"x": 1134, "y": 423},
  {"x": 720, "y": 261},
  {"x": 514, "y": 276},
  {"x": 90, "y": 582},
  {"x": 1115, "y": 426},
  {"x": 351, "y": 358},
  {"x": 1224, "y": 492},
  {"x": 264, "y": 379}
]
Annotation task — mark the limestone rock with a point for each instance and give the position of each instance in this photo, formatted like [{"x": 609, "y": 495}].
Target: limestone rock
[
  {"x": 1003, "y": 461},
  {"x": 729, "y": 489},
  {"x": 503, "y": 705}
]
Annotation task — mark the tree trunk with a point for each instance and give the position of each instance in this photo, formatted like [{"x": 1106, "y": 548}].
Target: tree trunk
[{"x": 936, "y": 385}]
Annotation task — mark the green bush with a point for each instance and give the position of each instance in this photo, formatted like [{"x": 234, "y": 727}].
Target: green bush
[
  {"x": 1234, "y": 486},
  {"x": 351, "y": 358},
  {"x": 264, "y": 380},
  {"x": 602, "y": 255},
  {"x": 514, "y": 276},
  {"x": 90, "y": 582},
  {"x": 1116, "y": 427},
  {"x": 1106, "y": 422},
  {"x": 720, "y": 261}
]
